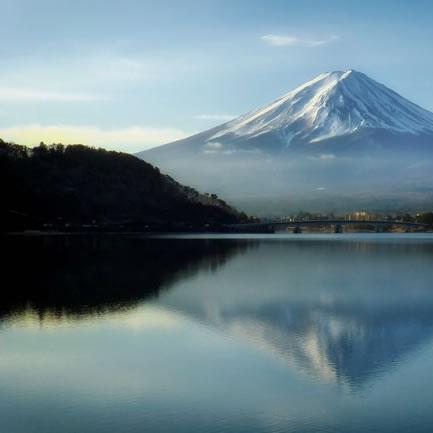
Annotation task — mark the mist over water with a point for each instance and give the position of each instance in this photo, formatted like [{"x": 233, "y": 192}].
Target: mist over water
[
  {"x": 323, "y": 181},
  {"x": 276, "y": 333}
]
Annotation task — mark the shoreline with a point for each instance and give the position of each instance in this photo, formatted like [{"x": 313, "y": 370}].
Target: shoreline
[{"x": 30, "y": 233}]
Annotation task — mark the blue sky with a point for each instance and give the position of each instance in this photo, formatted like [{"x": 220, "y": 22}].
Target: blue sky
[{"x": 130, "y": 74}]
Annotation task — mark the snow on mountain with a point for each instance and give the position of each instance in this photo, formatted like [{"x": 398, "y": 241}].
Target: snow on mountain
[{"x": 332, "y": 104}]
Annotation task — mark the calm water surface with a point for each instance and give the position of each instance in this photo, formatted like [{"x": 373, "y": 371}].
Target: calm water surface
[{"x": 290, "y": 333}]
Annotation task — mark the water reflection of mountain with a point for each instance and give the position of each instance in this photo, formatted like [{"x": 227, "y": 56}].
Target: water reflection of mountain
[
  {"x": 343, "y": 312},
  {"x": 77, "y": 276},
  {"x": 337, "y": 346}
]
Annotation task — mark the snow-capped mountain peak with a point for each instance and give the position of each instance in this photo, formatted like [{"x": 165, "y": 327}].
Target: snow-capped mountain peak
[{"x": 331, "y": 105}]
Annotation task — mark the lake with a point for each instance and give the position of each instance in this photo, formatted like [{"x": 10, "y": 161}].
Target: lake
[{"x": 208, "y": 333}]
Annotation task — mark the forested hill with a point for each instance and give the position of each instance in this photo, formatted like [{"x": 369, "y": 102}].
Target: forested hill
[{"x": 75, "y": 186}]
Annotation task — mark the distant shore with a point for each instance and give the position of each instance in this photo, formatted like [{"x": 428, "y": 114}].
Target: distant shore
[{"x": 204, "y": 232}]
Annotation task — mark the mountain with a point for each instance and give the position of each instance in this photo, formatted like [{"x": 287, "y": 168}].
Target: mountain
[
  {"x": 332, "y": 105},
  {"x": 71, "y": 186},
  {"x": 341, "y": 134}
]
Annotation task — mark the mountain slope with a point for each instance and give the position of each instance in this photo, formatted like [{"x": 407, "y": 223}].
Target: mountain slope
[
  {"x": 76, "y": 185},
  {"x": 341, "y": 132}
]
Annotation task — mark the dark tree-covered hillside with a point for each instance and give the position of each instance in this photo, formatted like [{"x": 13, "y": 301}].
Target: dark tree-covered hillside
[{"x": 76, "y": 185}]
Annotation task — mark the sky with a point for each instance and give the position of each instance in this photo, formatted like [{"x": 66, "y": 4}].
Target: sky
[{"x": 132, "y": 74}]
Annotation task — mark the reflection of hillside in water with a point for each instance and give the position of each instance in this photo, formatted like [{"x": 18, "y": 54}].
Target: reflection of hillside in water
[
  {"x": 80, "y": 276},
  {"x": 344, "y": 312}
]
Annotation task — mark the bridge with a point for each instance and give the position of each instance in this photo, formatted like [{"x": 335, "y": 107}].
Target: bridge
[{"x": 335, "y": 224}]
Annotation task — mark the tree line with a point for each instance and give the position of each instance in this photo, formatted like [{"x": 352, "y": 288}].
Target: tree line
[{"x": 75, "y": 185}]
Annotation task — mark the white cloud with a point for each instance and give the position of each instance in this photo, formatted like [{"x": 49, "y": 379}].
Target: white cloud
[
  {"x": 213, "y": 145},
  {"x": 28, "y": 95},
  {"x": 218, "y": 117},
  {"x": 322, "y": 157},
  {"x": 122, "y": 69},
  {"x": 244, "y": 152},
  {"x": 327, "y": 156},
  {"x": 130, "y": 139},
  {"x": 87, "y": 75},
  {"x": 295, "y": 41},
  {"x": 280, "y": 41}
]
